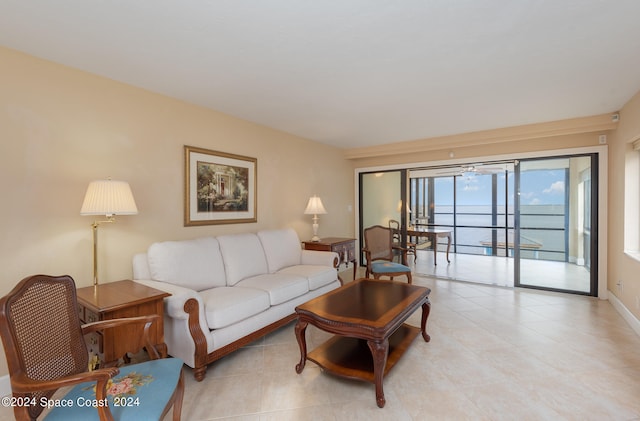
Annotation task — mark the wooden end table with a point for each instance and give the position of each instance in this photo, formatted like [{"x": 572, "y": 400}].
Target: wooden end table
[
  {"x": 345, "y": 247},
  {"x": 367, "y": 318},
  {"x": 117, "y": 300}
]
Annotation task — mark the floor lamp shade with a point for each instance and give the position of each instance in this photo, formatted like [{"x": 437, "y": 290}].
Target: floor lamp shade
[{"x": 108, "y": 198}]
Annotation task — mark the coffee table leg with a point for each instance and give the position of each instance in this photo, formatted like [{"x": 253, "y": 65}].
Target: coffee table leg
[
  {"x": 426, "y": 309},
  {"x": 379, "y": 351},
  {"x": 301, "y": 328}
]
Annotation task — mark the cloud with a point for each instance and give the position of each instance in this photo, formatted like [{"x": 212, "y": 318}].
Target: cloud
[
  {"x": 555, "y": 188},
  {"x": 535, "y": 201}
]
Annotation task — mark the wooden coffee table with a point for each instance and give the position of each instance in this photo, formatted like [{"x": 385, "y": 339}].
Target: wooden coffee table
[{"x": 367, "y": 317}]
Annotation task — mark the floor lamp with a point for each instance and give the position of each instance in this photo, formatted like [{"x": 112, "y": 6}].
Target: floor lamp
[{"x": 108, "y": 198}]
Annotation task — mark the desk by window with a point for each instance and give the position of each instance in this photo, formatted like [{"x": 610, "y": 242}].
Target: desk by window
[{"x": 432, "y": 234}]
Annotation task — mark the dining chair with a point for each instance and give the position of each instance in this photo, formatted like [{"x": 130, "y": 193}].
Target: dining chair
[
  {"x": 45, "y": 348},
  {"x": 394, "y": 226},
  {"x": 379, "y": 249}
]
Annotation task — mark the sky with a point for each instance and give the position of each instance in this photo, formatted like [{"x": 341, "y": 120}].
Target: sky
[{"x": 538, "y": 187}]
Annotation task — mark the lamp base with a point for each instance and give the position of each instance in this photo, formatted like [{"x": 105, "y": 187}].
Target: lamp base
[{"x": 315, "y": 237}]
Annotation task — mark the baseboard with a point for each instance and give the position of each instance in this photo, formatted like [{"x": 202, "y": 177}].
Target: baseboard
[
  {"x": 624, "y": 312},
  {"x": 5, "y": 386}
]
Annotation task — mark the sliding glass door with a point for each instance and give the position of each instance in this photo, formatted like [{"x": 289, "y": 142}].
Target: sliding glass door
[
  {"x": 472, "y": 201},
  {"x": 556, "y": 214},
  {"x": 381, "y": 196},
  {"x": 527, "y": 223}
]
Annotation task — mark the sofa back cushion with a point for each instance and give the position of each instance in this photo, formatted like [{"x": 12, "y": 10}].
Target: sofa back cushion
[
  {"x": 243, "y": 256},
  {"x": 281, "y": 248},
  {"x": 195, "y": 264}
]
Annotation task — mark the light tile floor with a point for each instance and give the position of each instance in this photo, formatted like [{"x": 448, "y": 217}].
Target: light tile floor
[{"x": 495, "y": 354}]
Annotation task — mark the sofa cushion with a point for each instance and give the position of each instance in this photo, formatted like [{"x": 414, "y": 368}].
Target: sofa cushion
[
  {"x": 195, "y": 264},
  {"x": 281, "y": 287},
  {"x": 224, "y": 306},
  {"x": 281, "y": 248},
  {"x": 243, "y": 257},
  {"x": 317, "y": 276}
]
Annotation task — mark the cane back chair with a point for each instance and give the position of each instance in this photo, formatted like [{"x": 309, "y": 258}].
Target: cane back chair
[
  {"x": 394, "y": 226},
  {"x": 378, "y": 250},
  {"x": 46, "y": 350}
]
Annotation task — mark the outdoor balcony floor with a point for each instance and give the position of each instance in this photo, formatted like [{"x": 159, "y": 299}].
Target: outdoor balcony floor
[{"x": 496, "y": 270}]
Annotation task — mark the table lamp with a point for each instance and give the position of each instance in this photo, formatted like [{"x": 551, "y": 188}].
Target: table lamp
[
  {"x": 108, "y": 198},
  {"x": 315, "y": 208}
]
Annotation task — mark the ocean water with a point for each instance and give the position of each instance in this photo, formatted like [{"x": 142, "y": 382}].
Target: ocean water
[{"x": 542, "y": 230}]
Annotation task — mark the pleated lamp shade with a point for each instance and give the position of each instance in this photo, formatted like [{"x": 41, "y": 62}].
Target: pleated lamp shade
[
  {"x": 108, "y": 197},
  {"x": 315, "y": 207}
]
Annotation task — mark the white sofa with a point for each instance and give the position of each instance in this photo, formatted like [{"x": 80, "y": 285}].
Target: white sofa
[{"x": 230, "y": 290}]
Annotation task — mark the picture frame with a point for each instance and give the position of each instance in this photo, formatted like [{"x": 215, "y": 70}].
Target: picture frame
[{"x": 220, "y": 187}]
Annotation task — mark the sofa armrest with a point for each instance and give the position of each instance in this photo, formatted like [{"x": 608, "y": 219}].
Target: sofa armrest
[
  {"x": 186, "y": 308},
  {"x": 174, "y": 304},
  {"x": 317, "y": 257}
]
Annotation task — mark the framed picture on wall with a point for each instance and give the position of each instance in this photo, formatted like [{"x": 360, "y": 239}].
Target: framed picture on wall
[{"x": 220, "y": 188}]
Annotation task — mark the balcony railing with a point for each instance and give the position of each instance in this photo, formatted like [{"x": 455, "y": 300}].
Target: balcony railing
[{"x": 542, "y": 235}]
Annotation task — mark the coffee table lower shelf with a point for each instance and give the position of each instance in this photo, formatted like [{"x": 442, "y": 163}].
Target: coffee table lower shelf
[{"x": 352, "y": 358}]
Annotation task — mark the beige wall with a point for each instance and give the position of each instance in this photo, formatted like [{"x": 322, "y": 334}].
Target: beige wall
[
  {"x": 60, "y": 128},
  {"x": 622, "y": 267},
  {"x": 468, "y": 153}
]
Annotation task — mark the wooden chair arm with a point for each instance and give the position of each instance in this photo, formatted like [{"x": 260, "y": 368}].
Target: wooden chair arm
[
  {"x": 20, "y": 383},
  {"x": 109, "y": 324},
  {"x": 404, "y": 253}
]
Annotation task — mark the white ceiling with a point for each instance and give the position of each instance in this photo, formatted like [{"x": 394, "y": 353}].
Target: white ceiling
[{"x": 352, "y": 73}]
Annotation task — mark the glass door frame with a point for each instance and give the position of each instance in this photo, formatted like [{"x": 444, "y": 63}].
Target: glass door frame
[
  {"x": 403, "y": 201},
  {"x": 599, "y": 235},
  {"x": 594, "y": 214}
]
